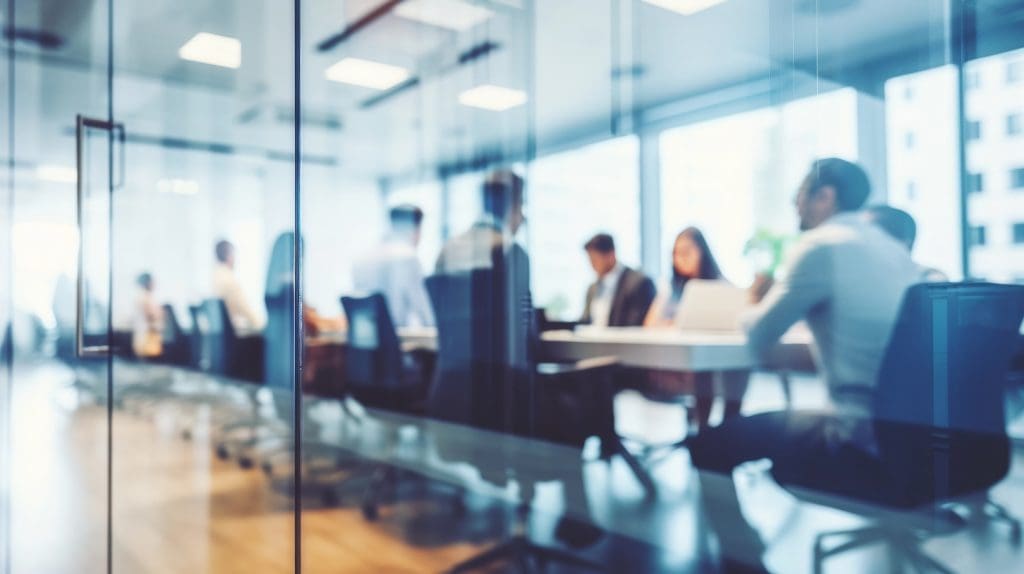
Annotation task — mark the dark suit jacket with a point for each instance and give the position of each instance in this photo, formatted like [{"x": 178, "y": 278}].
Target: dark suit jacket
[{"x": 633, "y": 297}]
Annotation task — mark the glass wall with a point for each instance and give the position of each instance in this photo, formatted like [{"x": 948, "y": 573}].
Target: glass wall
[{"x": 270, "y": 269}]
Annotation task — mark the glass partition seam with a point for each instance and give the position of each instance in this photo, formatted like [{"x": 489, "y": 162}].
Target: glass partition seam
[
  {"x": 110, "y": 287},
  {"x": 959, "y": 14},
  {"x": 6, "y": 345},
  {"x": 299, "y": 341}
]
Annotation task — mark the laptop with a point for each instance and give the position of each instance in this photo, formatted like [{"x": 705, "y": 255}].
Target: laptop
[{"x": 710, "y": 305}]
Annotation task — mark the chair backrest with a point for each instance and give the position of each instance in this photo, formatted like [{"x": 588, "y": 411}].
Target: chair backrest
[
  {"x": 279, "y": 339},
  {"x": 373, "y": 355},
  {"x": 948, "y": 356},
  {"x": 479, "y": 380},
  {"x": 200, "y": 357},
  {"x": 177, "y": 344},
  {"x": 218, "y": 335},
  {"x": 939, "y": 403}
]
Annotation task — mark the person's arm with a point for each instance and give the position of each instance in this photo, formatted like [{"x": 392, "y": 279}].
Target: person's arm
[
  {"x": 416, "y": 291},
  {"x": 808, "y": 284},
  {"x": 645, "y": 295},
  {"x": 653, "y": 318}
]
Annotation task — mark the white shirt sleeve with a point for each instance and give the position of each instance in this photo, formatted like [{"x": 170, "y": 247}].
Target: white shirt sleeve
[
  {"x": 421, "y": 312},
  {"x": 808, "y": 284}
]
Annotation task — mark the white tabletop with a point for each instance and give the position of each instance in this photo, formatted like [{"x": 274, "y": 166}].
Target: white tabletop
[{"x": 668, "y": 348}]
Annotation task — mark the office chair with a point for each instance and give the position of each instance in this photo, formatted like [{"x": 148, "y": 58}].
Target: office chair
[
  {"x": 177, "y": 343},
  {"x": 320, "y": 460},
  {"x": 378, "y": 374},
  {"x": 225, "y": 354},
  {"x": 485, "y": 380},
  {"x": 939, "y": 424}
]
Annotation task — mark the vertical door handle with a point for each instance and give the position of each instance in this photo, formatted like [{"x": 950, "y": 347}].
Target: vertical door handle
[{"x": 116, "y": 135}]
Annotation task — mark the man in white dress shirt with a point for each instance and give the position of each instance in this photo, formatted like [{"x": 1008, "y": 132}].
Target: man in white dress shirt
[
  {"x": 846, "y": 278},
  {"x": 227, "y": 287},
  {"x": 393, "y": 269}
]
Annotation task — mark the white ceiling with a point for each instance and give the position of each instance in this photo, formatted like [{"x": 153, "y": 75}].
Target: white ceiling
[{"x": 562, "y": 54}]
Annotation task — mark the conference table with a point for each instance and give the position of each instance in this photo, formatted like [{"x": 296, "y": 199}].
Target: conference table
[{"x": 665, "y": 349}]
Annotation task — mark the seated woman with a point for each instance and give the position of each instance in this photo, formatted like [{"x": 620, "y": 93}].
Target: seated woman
[{"x": 691, "y": 259}]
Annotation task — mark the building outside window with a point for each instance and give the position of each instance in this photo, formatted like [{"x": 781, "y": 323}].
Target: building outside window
[
  {"x": 1017, "y": 178},
  {"x": 973, "y": 130},
  {"x": 1018, "y": 233},
  {"x": 978, "y": 236},
  {"x": 975, "y": 183},
  {"x": 1014, "y": 124},
  {"x": 1014, "y": 71}
]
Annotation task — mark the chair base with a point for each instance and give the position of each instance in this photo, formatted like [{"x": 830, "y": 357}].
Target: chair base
[
  {"x": 904, "y": 548},
  {"x": 526, "y": 556}
]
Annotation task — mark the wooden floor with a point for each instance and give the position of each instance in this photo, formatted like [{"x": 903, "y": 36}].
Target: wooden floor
[{"x": 176, "y": 507}]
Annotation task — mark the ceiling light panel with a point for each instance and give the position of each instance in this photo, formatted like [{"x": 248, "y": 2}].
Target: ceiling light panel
[
  {"x": 366, "y": 73},
  {"x": 213, "y": 49},
  {"x": 685, "y": 7},
  {"x": 451, "y": 14},
  {"x": 493, "y": 98},
  {"x": 56, "y": 173}
]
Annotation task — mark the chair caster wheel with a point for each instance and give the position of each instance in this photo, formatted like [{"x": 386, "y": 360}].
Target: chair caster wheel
[
  {"x": 222, "y": 452},
  {"x": 268, "y": 469},
  {"x": 245, "y": 462},
  {"x": 186, "y": 434},
  {"x": 370, "y": 512}
]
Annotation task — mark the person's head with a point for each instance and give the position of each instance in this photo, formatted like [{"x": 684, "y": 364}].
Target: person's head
[
  {"x": 896, "y": 222},
  {"x": 832, "y": 186},
  {"x": 225, "y": 252},
  {"x": 503, "y": 198},
  {"x": 406, "y": 221},
  {"x": 145, "y": 281},
  {"x": 601, "y": 251},
  {"x": 692, "y": 258}
]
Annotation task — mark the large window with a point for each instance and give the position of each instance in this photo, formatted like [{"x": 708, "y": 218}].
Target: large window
[
  {"x": 1002, "y": 157},
  {"x": 570, "y": 197},
  {"x": 932, "y": 167},
  {"x": 736, "y": 176}
]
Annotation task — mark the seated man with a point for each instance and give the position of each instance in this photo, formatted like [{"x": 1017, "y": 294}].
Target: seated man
[
  {"x": 903, "y": 228},
  {"x": 393, "y": 269},
  {"x": 846, "y": 279},
  {"x": 620, "y": 297}
]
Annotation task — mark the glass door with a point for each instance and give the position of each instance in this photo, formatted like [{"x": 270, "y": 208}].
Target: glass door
[
  {"x": 59, "y": 142},
  {"x": 203, "y": 293}
]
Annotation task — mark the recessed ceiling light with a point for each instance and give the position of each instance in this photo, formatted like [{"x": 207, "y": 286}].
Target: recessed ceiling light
[
  {"x": 178, "y": 186},
  {"x": 56, "y": 173},
  {"x": 491, "y": 97},
  {"x": 685, "y": 7},
  {"x": 451, "y": 14},
  {"x": 366, "y": 73},
  {"x": 213, "y": 49}
]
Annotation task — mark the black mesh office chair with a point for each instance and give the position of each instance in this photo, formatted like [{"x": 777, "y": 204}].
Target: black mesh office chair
[
  {"x": 226, "y": 354},
  {"x": 176, "y": 342},
  {"x": 939, "y": 423},
  {"x": 485, "y": 381},
  {"x": 378, "y": 374}
]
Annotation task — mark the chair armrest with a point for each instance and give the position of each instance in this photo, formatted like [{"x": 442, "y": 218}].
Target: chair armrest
[{"x": 582, "y": 366}]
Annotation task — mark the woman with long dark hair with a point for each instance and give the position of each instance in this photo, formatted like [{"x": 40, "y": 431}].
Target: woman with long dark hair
[{"x": 691, "y": 259}]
